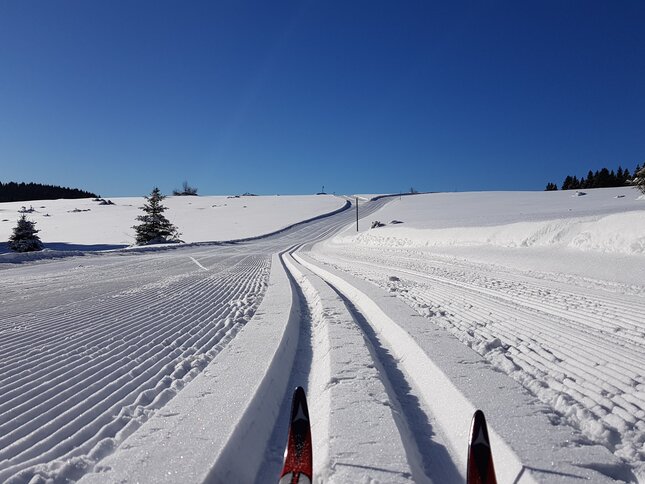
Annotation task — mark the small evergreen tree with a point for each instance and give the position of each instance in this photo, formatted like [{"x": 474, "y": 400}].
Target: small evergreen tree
[
  {"x": 155, "y": 227},
  {"x": 551, "y": 186},
  {"x": 24, "y": 237}
]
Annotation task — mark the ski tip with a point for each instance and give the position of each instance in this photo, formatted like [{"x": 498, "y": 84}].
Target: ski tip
[
  {"x": 481, "y": 469},
  {"x": 479, "y": 415},
  {"x": 298, "y": 453},
  {"x": 299, "y": 409},
  {"x": 479, "y": 429}
]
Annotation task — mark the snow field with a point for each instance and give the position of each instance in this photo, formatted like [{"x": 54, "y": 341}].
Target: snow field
[
  {"x": 547, "y": 287},
  {"x": 607, "y": 220},
  {"x": 116, "y": 337},
  {"x": 91, "y": 378},
  {"x": 84, "y": 224},
  {"x": 396, "y": 345}
]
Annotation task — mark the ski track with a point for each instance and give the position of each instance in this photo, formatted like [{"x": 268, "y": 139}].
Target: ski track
[
  {"x": 579, "y": 351},
  {"x": 342, "y": 366},
  {"x": 91, "y": 347}
]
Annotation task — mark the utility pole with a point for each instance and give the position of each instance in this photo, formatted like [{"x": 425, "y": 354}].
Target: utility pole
[{"x": 356, "y": 214}]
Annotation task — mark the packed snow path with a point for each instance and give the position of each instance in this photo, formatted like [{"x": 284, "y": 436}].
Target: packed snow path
[{"x": 390, "y": 394}]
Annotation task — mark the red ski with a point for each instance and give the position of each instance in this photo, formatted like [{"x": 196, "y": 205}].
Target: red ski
[
  {"x": 298, "y": 456},
  {"x": 480, "y": 459}
]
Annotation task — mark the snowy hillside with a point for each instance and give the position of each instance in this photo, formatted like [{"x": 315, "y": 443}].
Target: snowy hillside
[
  {"x": 604, "y": 220},
  {"x": 84, "y": 224},
  {"x": 177, "y": 366}
]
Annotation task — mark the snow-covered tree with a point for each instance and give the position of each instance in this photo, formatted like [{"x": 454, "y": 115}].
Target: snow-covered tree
[
  {"x": 24, "y": 237},
  {"x": 155, "y": 228},
  {"x": 639, "y": 179}
]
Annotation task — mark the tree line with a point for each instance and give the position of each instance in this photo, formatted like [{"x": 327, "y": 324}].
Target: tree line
[
  {"x": 22, "y": 192},
  {"x": 602, "y": 178}
]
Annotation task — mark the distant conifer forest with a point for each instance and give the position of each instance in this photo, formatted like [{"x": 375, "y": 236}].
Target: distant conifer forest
[
  {"x": 603, "y": 178},
  {"x": 22, "y": 192}
]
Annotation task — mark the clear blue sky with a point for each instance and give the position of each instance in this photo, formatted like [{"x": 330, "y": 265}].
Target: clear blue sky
[{"x": 286, "y": 96}]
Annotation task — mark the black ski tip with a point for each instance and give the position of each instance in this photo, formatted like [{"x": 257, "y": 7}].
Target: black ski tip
[
  {"x": 479, "y": 428},
  {"x": 481, "y": 469},
  {"x": 299, "y": 407},
  {"x": 479, "y": 417}
]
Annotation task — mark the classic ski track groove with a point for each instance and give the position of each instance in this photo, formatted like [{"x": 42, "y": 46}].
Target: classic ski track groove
[
  {"x": 328, "y": 323},
  {"x": 561, "y": 350}
]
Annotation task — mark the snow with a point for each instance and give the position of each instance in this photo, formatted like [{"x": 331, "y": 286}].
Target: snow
[
  {"x": 239, "y": 423},
  {"x": 178, "y": 365},
  {"x": 567, "y": 273},
  {"x": 598, "y": 222},
  {"x": 84, "y": 224}
]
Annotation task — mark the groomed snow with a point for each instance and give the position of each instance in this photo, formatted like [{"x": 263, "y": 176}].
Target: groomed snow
[{"x": 161, "y": 366}]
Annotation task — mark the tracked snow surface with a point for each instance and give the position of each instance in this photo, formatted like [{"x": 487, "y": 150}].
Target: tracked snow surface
[{"x": 177, "y": 365}]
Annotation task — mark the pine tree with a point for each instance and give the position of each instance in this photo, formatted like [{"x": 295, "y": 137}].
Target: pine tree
[
  {"x": 627, "y": 176},
  {"x": 155, "y": 227},
  {"x": 566, "y": 184},
  {"x": 24, "y": 237},
  {"x": 620, "y": 176},
  {"x": 602, "y": 178}
]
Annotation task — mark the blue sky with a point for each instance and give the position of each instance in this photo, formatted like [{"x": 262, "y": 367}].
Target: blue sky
[{"x": 286, "y": 96}]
